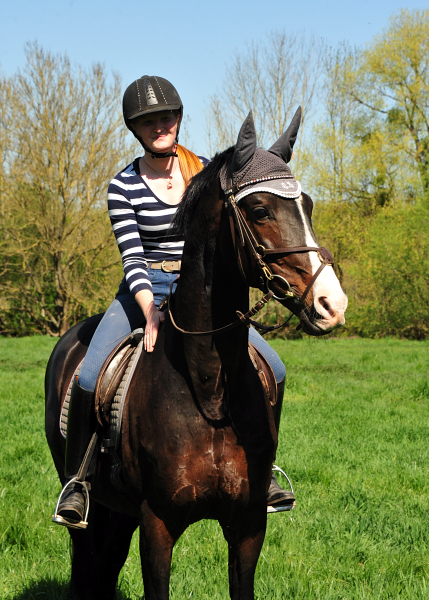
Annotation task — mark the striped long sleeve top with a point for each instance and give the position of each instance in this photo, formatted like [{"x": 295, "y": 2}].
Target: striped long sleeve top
[{"x": 141, "y": 223}]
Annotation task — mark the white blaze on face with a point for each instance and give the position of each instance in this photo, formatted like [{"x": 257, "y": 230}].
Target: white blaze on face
[{"x": 329, "y": 299}]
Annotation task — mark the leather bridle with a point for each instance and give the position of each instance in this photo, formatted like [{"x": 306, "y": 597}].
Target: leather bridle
[{"x": 258, "y": 252}]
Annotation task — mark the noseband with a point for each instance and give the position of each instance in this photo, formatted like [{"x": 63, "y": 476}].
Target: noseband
[{"x": 258, "y": 252}]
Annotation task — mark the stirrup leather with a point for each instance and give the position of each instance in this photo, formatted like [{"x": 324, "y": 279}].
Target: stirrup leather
[
  {"x": 284, "y": 507},
  {"x": 61, "y": 520}
]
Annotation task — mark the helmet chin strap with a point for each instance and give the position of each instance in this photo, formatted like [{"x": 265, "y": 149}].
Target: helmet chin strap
[{"x": 162, "y": 154}]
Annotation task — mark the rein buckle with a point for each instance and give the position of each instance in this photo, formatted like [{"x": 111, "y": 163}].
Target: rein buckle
[
  {"x": 325, "y": 256},
  {"x": 266, "y": 271}
]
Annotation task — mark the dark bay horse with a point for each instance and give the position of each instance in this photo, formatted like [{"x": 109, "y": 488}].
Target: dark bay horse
[{"x": 198, "y": 435}]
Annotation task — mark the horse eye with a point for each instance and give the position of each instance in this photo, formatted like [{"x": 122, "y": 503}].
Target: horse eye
[{"x": 260, "y": 213}]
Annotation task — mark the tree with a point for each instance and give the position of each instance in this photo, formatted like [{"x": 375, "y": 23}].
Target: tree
[
  {"x": 353, "y": 156},
  {"x": 368, "y": 167},
  {"x": 66, "y": 142},
  {"x": 270, "y": 79},
  {"x": 373, "y": 144},
  {"x": 392, "y": 79}
]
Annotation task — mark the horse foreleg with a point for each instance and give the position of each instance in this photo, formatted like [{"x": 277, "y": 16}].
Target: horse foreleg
[
  {"x": 86, "y": 560},
  {"x": 114, "y": 550},
  {"x": 156, "y": 547},
  {"x": 244, "y": 546},
  {"x": 99, "y": 553}
]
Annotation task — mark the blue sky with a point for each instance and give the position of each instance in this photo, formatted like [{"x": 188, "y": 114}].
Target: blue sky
[{"x": 187, "y": 42}]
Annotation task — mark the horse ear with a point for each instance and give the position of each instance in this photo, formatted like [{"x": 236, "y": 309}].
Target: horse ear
[
  {"x": 284, "y": 145},
  {"x": 245, "y": 146}
]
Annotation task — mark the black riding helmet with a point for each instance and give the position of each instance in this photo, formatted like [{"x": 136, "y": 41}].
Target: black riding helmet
[{"x": 147, "y": 95}]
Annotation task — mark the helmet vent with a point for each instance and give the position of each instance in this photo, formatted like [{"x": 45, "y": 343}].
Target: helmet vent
[{"x": 150, "y": 94}]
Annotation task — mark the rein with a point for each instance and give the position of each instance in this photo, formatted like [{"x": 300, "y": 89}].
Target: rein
[
  {"x": 258, "y": 252},
  {"x": 242, "y": 319}
]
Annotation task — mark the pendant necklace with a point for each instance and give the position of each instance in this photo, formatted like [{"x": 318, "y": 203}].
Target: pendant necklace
[{"x": 166, "y": 179}]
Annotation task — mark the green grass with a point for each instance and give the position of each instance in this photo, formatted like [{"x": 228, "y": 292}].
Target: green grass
[{"x": 354, "y": 440}]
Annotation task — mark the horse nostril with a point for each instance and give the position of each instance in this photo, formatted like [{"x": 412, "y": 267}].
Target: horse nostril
[{"x": 323, "y": 301}]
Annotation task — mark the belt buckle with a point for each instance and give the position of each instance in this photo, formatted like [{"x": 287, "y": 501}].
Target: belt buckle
[{"x": 164, "y": 268}]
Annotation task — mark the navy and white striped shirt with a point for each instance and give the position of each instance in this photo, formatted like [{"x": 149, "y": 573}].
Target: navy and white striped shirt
[{"x": 141, "y": 223}]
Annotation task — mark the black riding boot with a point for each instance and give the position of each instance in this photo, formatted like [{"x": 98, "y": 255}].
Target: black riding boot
[
  {"x": 80, "y": 428},
  {"x": 277, "y": 496}
]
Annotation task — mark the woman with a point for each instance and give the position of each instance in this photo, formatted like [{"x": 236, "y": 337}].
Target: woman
[{"x": 142, "y": 200}]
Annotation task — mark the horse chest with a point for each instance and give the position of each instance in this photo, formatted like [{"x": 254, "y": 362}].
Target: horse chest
[
  {"x": 189, "y": 459},
  {"x": 206, "y": 468}
]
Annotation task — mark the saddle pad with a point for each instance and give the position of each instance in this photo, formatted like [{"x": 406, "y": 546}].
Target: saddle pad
[{"x": 66, "y": 403}]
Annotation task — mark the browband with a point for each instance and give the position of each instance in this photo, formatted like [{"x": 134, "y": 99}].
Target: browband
[{"x": 239, "y": 186}]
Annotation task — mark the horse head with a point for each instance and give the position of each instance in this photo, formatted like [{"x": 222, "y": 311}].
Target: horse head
[{"x": 276, "y": 246}]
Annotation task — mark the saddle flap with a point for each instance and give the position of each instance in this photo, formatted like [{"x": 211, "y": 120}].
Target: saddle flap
[
  {"x": 265, "y": 372},
  {"x": 111, "y": 374}
]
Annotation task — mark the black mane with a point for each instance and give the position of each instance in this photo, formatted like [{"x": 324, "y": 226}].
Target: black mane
[{"x": 199, "y": 184}]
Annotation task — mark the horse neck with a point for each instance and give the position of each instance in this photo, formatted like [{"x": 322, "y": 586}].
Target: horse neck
[
  {"x": 210, "y": 288},
  {"x": 209, "y": 293}
]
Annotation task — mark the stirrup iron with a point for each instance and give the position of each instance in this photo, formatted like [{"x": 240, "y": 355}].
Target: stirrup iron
[
  {"x": 284, "y": 507},
  {"x": 61, "y": 520}
]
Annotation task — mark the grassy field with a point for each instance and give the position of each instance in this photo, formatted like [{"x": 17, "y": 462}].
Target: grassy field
[{"x": 354, "y": 440}]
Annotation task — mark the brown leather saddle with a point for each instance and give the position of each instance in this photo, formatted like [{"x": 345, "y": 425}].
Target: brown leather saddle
[{"x": 116, "y": 372}]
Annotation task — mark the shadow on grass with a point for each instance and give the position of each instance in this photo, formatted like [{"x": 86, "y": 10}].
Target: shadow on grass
[{"x": 50, "y": 589}]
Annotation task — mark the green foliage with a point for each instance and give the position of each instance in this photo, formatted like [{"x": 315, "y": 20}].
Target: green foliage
[
  {"x": 366, "y": 167},
  {"x": 368, "y": 170},
  {"x": 58, "y": 255},
  {"x": 395, "y": 81},
  {"x": 382, "y": 263},
  {"x": 353, "y": 440},
  {"x": 391, "y": 285}
]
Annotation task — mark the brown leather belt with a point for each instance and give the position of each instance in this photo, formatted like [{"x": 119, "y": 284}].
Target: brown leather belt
[{"x": 168, "y": 266}]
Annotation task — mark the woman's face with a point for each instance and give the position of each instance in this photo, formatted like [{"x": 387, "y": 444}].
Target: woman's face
[{"x": 157, "y": 130}]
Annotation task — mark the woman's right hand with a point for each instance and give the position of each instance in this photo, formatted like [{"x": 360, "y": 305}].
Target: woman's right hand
[{"x": 153, "y": 318}]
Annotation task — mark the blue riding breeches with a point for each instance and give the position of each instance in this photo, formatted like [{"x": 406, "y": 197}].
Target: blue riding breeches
[{"x": 124, "y": 315}]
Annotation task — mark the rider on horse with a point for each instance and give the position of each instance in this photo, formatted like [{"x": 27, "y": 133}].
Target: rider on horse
[{"x": 142, "y": 201}]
